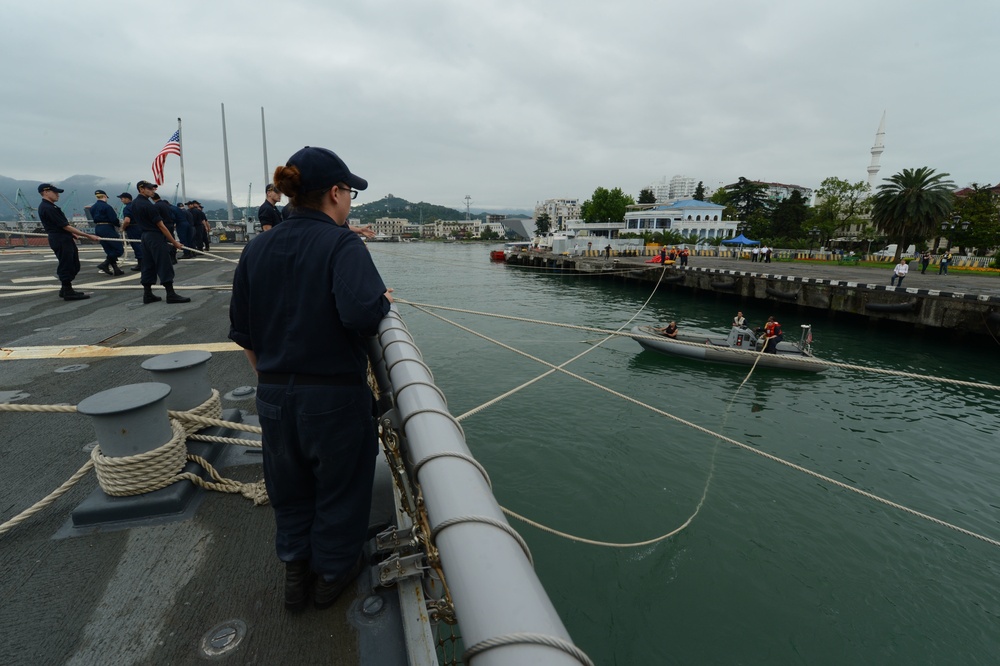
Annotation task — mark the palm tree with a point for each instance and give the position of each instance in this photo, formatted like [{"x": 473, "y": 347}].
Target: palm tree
[{"x": 910, "y": 205}]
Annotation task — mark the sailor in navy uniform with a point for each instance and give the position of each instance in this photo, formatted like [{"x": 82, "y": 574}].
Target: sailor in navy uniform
[
  {"x": 156, "y": 242},
  {"x": 62, "y": 240},
  {"x": 107, "y": 225},
  {"x": 268, "y": 213},
  {"x": 306, "y": 336}
]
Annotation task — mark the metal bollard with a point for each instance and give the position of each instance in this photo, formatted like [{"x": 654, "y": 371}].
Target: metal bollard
[
  {"x": 129, "y": 419},
  {"x": 185, "y": 373}
]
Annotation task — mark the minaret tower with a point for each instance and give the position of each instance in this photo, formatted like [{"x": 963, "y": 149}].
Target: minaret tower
[{"x": 876, "y": 153}]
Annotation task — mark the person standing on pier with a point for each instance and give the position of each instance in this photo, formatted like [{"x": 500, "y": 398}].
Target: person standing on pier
[
  {"x": 945, "y": 261},
  {"x": 305, "y": 336},
  {"x": 107, "y": 225},
  {"x": 62, "y": 240},
  {"x": 899, "y": 272},
  {"x": 925, "y": 260}
]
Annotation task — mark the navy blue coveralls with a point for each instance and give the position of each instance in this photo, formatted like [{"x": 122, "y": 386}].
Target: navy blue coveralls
[
  {"x": 106, "y": 225},
  {"x": 133, "y": 231},
  {"x": 183, "y": 222},
  {"x": 268, "y": 215},
  {"x": 61, "y": 240},
  {"x": 308, "y": 332},
  {"x": 199, "y": 237},
  {"x": 155, "y": 249}
]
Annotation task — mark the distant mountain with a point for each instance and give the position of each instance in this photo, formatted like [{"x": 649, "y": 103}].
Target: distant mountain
[{"x": 80, "y": 192}]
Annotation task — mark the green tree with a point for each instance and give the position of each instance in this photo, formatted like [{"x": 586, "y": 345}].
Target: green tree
[
  {"x": 979, "y": 206},
  {"x": 790, "y": 216},
  {"x": 911, "y": 205},
  {"x": 839, "y": 205},
  {"x": 542, "y": 224},
  {"x": 646, "y": 196},
  {"x": 747, "y": 197},
  {"x": 721, "y": 197},
  {"x": 605, "y": 206},
  {"x": 699, "y": 192},
  {"x": 489, "y": 234}
]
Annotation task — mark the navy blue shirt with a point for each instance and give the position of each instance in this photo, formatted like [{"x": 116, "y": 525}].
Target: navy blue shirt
[
  {"x": 52, "y": 218},
  {"x": 166, "y": 214},
  {"x": 103, "y": 213},
  {"x": 127, "y": 212},
  {"x": 145, "y": 214},
  {"x": 314, "y": 319},
  {"x": 268, "y": 214}
]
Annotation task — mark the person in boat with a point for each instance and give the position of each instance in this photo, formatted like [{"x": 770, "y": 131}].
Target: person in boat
[
  {"x": 670, "y": 330},
  {"x": 772, "y": 336},
  {"x": 313, "y": 400},
  {"x": 739, "y": 320}
]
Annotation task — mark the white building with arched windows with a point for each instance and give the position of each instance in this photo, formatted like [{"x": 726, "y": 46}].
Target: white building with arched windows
[{"x": 687, "y": 217}]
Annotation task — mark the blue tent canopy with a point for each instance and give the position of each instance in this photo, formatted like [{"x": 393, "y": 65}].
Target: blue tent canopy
[{"x": 740, "y": 240}]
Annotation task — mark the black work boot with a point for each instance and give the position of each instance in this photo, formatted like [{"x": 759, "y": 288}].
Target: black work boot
[
  {"x": 115, "y": 269},
  {"x": 148, "y": 296},
  {"x": 137, "y": 267},
  {"x": 297, "y": 580},
  {"x": 173, "y": 296},
  {"x": 67, "y": 293},
  {"x": 328, "y": 591},
  {"x": 104, "y": 266}
]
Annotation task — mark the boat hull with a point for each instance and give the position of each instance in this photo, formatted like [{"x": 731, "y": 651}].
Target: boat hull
[{"x": 716, "y": 349}]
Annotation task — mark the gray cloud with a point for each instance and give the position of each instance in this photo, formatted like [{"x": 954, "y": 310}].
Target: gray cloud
[{"x": 508, "y": 102}]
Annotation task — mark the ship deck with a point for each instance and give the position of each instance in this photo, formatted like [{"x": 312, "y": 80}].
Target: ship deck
[{"x": 158, "y": 591}]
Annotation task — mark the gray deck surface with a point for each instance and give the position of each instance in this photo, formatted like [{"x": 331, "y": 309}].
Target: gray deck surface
[{"x": 145, "y": 595}]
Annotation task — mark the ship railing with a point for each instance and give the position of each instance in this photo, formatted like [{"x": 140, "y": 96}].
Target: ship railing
[{"x": 501, "y": 608}]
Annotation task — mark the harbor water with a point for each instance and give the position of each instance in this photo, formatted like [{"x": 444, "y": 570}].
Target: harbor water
[{"x": 776, "y": 567}]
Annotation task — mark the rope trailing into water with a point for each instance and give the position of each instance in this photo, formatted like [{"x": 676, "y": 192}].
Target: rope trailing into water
[
  {"x": 126, "y": 241},
  {"x": 590, "y": 329},
  {"x": 125, "y": 476},
  {"x": 706, "y": 431}
]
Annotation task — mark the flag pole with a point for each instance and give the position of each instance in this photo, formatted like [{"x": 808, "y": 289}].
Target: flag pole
[{"x": 180, "y": 140}]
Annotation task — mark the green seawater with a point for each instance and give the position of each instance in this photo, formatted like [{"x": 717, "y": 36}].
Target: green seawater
[{"x": 778, "y": 567}]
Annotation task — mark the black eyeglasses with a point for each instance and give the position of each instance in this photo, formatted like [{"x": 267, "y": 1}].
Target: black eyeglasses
[{"x": 354, "y": 193}]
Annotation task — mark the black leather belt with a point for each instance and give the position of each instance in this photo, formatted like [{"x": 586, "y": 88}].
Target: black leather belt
[{"x": 300, "y": 379}]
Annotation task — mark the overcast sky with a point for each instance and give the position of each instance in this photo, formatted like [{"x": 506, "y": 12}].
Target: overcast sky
[{"x": 510, "y": 102}]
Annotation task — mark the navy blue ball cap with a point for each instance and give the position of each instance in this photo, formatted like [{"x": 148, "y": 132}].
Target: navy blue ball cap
[
  {"x": 100, "y": 193},
  {"x": 125, "y": 195},
  {"x": 321, "y": 169},
  {"x": 48, "y": 186}
]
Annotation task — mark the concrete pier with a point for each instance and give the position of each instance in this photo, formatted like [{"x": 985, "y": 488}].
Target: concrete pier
[{"x": 960, "y": 304}]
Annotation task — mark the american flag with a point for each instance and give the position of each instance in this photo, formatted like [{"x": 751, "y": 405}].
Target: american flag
[{"x": 173, "y": 147}]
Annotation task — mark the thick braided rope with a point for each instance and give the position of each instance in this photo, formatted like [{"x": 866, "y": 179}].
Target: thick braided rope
[
  {"x": 144, "y": 472},
  {"x": 602, "y": 331},
  {"x": 47, "y": 500},
  {"x": 125, "y": 241},
  {"x": 522, "y": 638},
  {"x": 728, "y": 440},
  {"x": 211, "y": 408}
]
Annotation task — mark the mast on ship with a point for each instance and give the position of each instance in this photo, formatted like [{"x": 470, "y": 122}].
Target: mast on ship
[{"x": 225, "y": 154}]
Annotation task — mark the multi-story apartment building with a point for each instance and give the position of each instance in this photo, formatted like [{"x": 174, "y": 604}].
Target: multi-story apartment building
[{"x": 559, "y": 211}]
